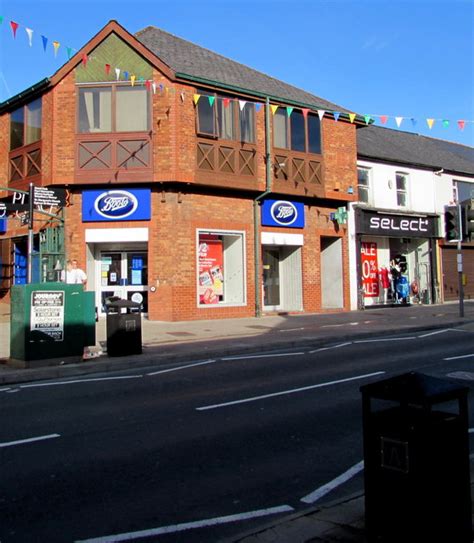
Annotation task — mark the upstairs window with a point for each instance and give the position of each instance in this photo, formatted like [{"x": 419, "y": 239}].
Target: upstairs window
[
  {"x": 297, "y": 131},
  {"x": 402, "y": 189},
  {"x": 363, "y": 185},
  {"x": 225, "y": 118},
  {"x": 25, "y": 125},
  {"x": 113, "y": 109}
]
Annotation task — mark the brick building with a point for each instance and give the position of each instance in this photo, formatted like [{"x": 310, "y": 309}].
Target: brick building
[{"x": 196, "y": 185}]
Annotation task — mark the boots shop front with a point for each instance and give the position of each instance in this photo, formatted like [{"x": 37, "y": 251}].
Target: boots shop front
[
  {"x": 396, "y": 258},
  {"x": 117, "y": 257}
]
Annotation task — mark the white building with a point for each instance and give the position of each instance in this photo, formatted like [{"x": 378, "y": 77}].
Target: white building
[{"x": 397, "y": 250}]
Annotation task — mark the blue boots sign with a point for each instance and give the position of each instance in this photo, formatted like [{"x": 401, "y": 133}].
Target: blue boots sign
[
  {"x": 283, "y": 213},
  {"x": 116, "y": 205}
]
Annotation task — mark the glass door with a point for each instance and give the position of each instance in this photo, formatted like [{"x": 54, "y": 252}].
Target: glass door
[
  {"x": 271, "y": 277},
  {"x": 124, "y": 274}
]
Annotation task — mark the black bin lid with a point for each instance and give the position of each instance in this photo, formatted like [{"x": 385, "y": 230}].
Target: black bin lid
[
  {"x": 415, "y": 388},
  {"x": 115, "y": 301}
]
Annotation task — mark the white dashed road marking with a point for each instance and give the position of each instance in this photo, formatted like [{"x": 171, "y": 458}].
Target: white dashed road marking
[
  {"x": 28, "y": 440},
  {"x": 173, "y": 528},
  {"x": 286, "y": 392}
]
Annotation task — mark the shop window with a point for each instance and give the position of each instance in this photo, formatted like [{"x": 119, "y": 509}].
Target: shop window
[
  {"x": 113, "y": 109},
  {"x": 25, "y": 125},
  {"x": 297, "y": 131},
  {"x": 221, "y": 268},
  {"x": 402, "y": 189},
  {"x": 363, "y": 185},
  {"x": 224, "y": 118}
]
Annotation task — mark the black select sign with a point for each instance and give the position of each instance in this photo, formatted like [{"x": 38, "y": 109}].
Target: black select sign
[{"x": 402, "y": 226}]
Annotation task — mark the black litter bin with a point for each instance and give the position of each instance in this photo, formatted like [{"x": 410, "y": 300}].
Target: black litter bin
[
  {"x": 124, "y": 327},
  {"x": 416, "y": 460}
]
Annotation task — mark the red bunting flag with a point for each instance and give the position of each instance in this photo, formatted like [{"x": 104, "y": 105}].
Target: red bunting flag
[
  {"x": 107, "y": 69},
  {"x": 84, "y": 60},
  {"x": 14, "y": 27},
  {"x": 226, "y": 102},
  {"x": 305, "y": 112},
  {"x": 383, "y": 119},
  {"x": 461, "y": 124}
]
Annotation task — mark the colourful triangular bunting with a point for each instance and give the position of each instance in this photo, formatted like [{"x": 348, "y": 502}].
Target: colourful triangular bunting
[
  {"x": 30, "y": 36},
  {"x": 14, "y": 27}
]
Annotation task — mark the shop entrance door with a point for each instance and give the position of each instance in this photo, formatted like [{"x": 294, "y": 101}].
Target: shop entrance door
[
  {"x": 271, "y": 278},
  {"x": 124, "y": 274},
  {"x": 282, "y": 278}
]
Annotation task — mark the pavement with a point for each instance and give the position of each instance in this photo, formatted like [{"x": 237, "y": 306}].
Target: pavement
[{"x": 168, "y": 343}]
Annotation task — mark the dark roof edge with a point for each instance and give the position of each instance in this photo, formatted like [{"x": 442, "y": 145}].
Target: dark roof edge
[
  {"x": 257, "y": 94},
  {"x": 25, "y": 95}
]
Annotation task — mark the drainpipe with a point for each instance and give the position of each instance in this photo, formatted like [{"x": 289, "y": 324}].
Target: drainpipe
[{"x": 256, "y": 217}]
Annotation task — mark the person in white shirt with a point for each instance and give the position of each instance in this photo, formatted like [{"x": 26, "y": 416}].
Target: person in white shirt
[{"x": 73, "y": 274}]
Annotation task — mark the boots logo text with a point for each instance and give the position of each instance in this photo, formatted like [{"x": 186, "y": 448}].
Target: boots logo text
[{"x": 116, "y": 204}]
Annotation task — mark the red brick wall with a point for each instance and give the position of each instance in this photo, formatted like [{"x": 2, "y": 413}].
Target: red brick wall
[
  {"x": 340, "y": 157},
  {"x": 177, "y": 215}
]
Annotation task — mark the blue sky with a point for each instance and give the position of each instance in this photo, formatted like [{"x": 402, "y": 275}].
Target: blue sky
[{"x": 410, "y": 59}]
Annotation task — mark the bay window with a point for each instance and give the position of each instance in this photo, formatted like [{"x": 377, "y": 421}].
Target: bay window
[
  {"x": 297, "y": 131},
  {"x": 225, "y": 118},
  {"x": 113, "y": 109},
  {"x": 25, "y": 125}
]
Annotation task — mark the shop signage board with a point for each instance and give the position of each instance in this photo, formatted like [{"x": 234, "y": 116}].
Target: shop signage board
[
  {"x": 396, "y": 225},
  {"x": 370, "y": 276},
  {"x": 49, "y": 197},
  {"x": 116, "y": 205},
  {"x": 47, "y": 313},
  {"x": 283, "y": 213}
]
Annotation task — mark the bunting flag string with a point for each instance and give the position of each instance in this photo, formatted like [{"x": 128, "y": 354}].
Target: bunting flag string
[{"x": 122, "y": 74}]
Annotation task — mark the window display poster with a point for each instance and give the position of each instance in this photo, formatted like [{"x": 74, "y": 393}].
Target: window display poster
[
  {"x": 370, "y": 276},
  {"x": 210, "y": 269}
]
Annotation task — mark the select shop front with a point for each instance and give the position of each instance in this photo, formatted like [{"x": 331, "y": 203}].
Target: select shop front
[{"x": 396, "y": 258}]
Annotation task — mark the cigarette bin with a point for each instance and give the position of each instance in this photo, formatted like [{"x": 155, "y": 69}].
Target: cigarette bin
[
  {"x": 416, "y": 460},
  {"x": 124, "y": 327}
]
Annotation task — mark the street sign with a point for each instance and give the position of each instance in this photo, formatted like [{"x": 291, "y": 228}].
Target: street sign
[
  {"x": 44, "y": 196},
  {"x": 7, "y": 206}
]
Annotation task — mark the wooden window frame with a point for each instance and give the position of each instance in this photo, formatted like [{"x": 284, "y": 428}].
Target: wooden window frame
[
  {"x": 236, "y": 119},
  {"x": 113, "y": 106},
  {"x": 403, "y": 191},
  {"x": 367, "y": 186},
  {"x": 25, "y": 110},
  {"x": 306, "y": 135}
]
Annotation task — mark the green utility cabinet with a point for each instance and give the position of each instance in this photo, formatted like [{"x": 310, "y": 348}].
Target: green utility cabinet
[{"x": 51, "y": 321}]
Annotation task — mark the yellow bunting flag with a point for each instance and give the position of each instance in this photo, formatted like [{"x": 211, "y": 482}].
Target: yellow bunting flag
[
  {"x": 273, "y": 108},
  {"x": 56, "y": 45},
  {"x": 352, "y": 117},
  {"x": 132, "y": 80},
  {"x": 196, "y": 98},
  {"x": 430, "y": 123}
]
